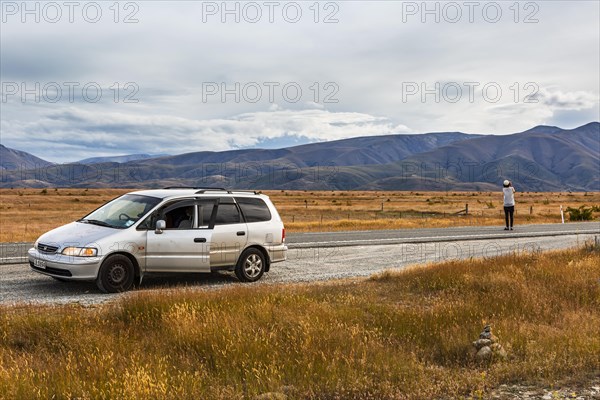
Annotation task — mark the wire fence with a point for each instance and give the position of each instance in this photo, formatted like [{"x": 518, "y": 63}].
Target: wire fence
[{"x": 323, "y": 215}]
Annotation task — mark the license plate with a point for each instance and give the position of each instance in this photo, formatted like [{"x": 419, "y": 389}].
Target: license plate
[{"x": 39, "y": 263}]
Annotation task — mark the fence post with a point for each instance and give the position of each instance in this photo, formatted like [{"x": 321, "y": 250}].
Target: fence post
[
  {"x": 530, "y": 210},
  {"x": 467, "y": 209}
]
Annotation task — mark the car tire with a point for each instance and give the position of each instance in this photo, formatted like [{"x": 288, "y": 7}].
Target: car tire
[
  {"x": 116, "y": 274},
  {"x": 250, "y": 266}
]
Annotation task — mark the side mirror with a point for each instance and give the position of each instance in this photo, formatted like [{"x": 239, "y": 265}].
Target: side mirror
[{"x": 160, "y": 226}]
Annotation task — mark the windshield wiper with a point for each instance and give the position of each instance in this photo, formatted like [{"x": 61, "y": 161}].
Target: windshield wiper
[{"x": 97, "y": 222}]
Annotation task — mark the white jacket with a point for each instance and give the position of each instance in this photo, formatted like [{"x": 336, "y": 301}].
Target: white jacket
[{"x": 509, "y": 196}]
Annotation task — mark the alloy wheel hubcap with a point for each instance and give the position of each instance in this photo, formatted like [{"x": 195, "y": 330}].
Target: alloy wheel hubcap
[{"x": 253, "y": 266}]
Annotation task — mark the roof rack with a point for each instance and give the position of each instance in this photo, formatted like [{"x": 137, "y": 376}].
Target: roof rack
[
  {"x": 247, "y": 191},
  {"x": 194, "y": 187},
  {"x": 226, "y": 190},
  {"x": 204, "y": 190},
  {"x": 201, "y": 189}
]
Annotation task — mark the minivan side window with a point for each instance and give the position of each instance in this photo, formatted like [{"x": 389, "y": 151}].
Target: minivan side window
[
  {"x": 227, "y": 213},
  {"x": 180, "y": 215},
  {"x": 205, "y": 211},
  {"x": 254, "y": 210}
]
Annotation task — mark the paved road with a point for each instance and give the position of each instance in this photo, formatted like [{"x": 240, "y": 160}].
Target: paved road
[
  {"x": 354, "y": 238},
  {"x": 11, "y": 253}
]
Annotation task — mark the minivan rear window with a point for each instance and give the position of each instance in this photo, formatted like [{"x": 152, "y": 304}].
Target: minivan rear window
[{"x": 255, "y": 210}]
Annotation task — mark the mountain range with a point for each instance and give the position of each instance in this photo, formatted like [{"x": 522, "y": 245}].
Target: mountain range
[{"x": 544, "y": 158}]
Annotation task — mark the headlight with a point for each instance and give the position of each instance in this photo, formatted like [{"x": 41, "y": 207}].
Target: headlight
[{"x": 80, "y": 251}]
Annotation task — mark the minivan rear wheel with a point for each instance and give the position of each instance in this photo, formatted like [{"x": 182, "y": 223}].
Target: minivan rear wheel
[
  {"x": 250, "y": 266},
  {"x": 116, "y": 274}
]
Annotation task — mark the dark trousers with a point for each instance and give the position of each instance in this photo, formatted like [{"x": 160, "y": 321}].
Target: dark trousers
[{"x": 509, "y": 211}]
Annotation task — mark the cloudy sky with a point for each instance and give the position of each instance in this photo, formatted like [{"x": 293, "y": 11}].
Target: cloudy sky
[{"x": 102, "y": 78}]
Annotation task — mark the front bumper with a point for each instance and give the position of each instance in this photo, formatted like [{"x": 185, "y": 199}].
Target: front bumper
[{"x": 66, "y": 267}]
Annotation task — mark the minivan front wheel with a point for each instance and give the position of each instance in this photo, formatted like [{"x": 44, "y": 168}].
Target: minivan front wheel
[
  {"x": 116, "y": 274},
  {"x": 250, "y": 266}
]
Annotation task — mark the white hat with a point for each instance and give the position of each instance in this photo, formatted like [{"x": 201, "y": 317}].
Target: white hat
[{"x": 506, "y": 182}]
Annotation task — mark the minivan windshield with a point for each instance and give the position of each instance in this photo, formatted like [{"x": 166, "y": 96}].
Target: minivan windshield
[{"x": 121, "y": 212}]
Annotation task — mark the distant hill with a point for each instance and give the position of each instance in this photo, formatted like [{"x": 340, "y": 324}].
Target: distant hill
[
  {"x": 11, "y": 159},
  {"x": 539, "y": 159},
  {"x": 355, "y": 151},
  {"x": 119, "y": 159},
  {"x": 543, "y": 158}
]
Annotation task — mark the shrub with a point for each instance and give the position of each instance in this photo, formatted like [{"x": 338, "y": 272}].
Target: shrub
[{"x": 580, "y": 214}]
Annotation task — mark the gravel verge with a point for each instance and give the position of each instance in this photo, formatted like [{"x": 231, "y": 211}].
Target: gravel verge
[{"x": 20, "y": 285}]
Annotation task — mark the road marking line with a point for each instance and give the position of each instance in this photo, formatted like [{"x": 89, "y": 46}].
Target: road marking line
[{"x": 451, "y": 238}]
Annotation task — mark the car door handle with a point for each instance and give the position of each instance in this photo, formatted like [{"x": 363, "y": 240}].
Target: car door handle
[
  {"x": 241, "y": 233},
  {"x": 199, "y": 240}
]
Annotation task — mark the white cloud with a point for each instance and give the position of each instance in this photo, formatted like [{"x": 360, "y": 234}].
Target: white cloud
[
  {"x": 559, "y": 100},
  {"x": 70, "y": 134},
  {"x": 541, "y": 107}
]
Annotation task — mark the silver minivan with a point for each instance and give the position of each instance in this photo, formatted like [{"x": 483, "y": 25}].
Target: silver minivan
[{"x": 166, "y": 230}]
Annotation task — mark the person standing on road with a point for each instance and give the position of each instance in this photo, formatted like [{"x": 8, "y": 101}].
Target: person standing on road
[{"x": 509, "y": 204}]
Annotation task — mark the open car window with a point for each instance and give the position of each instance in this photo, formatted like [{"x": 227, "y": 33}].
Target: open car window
[{"x": 181, "y": 215}]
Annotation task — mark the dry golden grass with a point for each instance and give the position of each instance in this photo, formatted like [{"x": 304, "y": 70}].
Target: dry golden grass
[
  {"x": 398, "y": 335},
  {"x": 27, "y": 213}
]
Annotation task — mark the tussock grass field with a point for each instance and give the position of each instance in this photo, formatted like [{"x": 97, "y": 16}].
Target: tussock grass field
[
  {"x": 397, "y": 335},
  {"x": 27, "y": 213}
]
